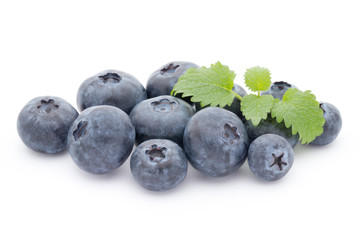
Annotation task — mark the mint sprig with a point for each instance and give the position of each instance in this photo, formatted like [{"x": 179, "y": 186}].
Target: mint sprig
[{"x": 213, "y": 86}]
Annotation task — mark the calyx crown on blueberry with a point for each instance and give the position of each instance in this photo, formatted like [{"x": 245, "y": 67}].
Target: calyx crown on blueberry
[
  {"x": 110, "y": 77},
  {"x": 163, "y": 105},
  {"x": 230, "y": 133},
  {"x": 80, "y": 130},
  {"x": 278, "y": 89},
  {"x": 156, "y": 153},
  {"x": 280, "y": 85},
  {"x": 277, "y": 161},
  {"x": 47, "y": 105},
  {"x": 171, "y": 68}
]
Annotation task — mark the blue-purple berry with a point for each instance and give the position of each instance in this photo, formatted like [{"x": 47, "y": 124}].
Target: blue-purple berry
[
  {"x": 159, "y": 164},
  {"x": 44, "y": 122},
  {"x": 101, "y": 139},
  {"x": 270, "y": 157}
]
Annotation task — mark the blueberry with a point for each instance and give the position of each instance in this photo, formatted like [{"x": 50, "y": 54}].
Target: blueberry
[
  {"x": 278, "y": 89},
  {"x": 332, "y": 124},
  {"x": 163, "y": 117},
  {"x": 101, "y": 139},
  {"x": 270, "y": 157},
  {"x": 43, "y": 123},
  {"x": 215, "y": 142},
  {"x": 158, "y": 164},
  {"x": 235, "y": 105},
  {"x": 113, "y": 88},
  {"x": 162, "y": 81},
  {"x": 270, "y": 125}
]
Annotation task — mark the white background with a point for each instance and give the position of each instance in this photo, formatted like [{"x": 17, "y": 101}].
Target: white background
[{"x": 50, "y": 47}]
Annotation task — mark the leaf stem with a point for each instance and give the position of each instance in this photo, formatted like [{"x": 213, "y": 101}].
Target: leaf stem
[{"x": 237, "y": 95}]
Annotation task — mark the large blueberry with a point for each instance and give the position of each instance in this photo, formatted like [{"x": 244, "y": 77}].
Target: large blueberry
[
  {"x": 278, "y": 89},
  {"x": 163, "y": 117},
  {"x": 332, "y": 126},
  {"x": 101, "y": 139},
  {"x": 111, "y": 87},
  {"x": 270, "y": 157},
  {"x": 159, "y": 164},
  {"x": 235, "y": 105},
  {"x": 162, "y": 81},
  {"x": 215, "y": 142},
  {"x": 44, "y": 122},
  {"x": 270, "y": 125}
]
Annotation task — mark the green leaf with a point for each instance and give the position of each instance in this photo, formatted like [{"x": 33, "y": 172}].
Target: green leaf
[
  {"x": 257, "y": 79},
  {"x": 256, "y": 107},
  {"x": 301, "y": 111},
  {"x": 209, "y": 86}
]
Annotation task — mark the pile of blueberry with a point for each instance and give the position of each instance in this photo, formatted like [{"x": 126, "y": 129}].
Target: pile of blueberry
[{"x": 118, "y": 112}]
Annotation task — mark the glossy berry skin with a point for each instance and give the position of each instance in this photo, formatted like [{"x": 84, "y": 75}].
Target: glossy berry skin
[
  {"x": 270, "y": 157},
  {"x": 159, "y": 164},
  {"x": 101, "y": 139},
  {"x": 270, "y": 125},
  {"x": 215, "y": 142},
  {"x": 278, "y": 89},
  {"x": 111, "y": 87},
  {"x": 332, "y": 126},
  {"x": 44, "y": 122},
  {"x": 162, "y": 81},
  {"x": 235, "y": 105},
  {"x": 163, "y": 117}
]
